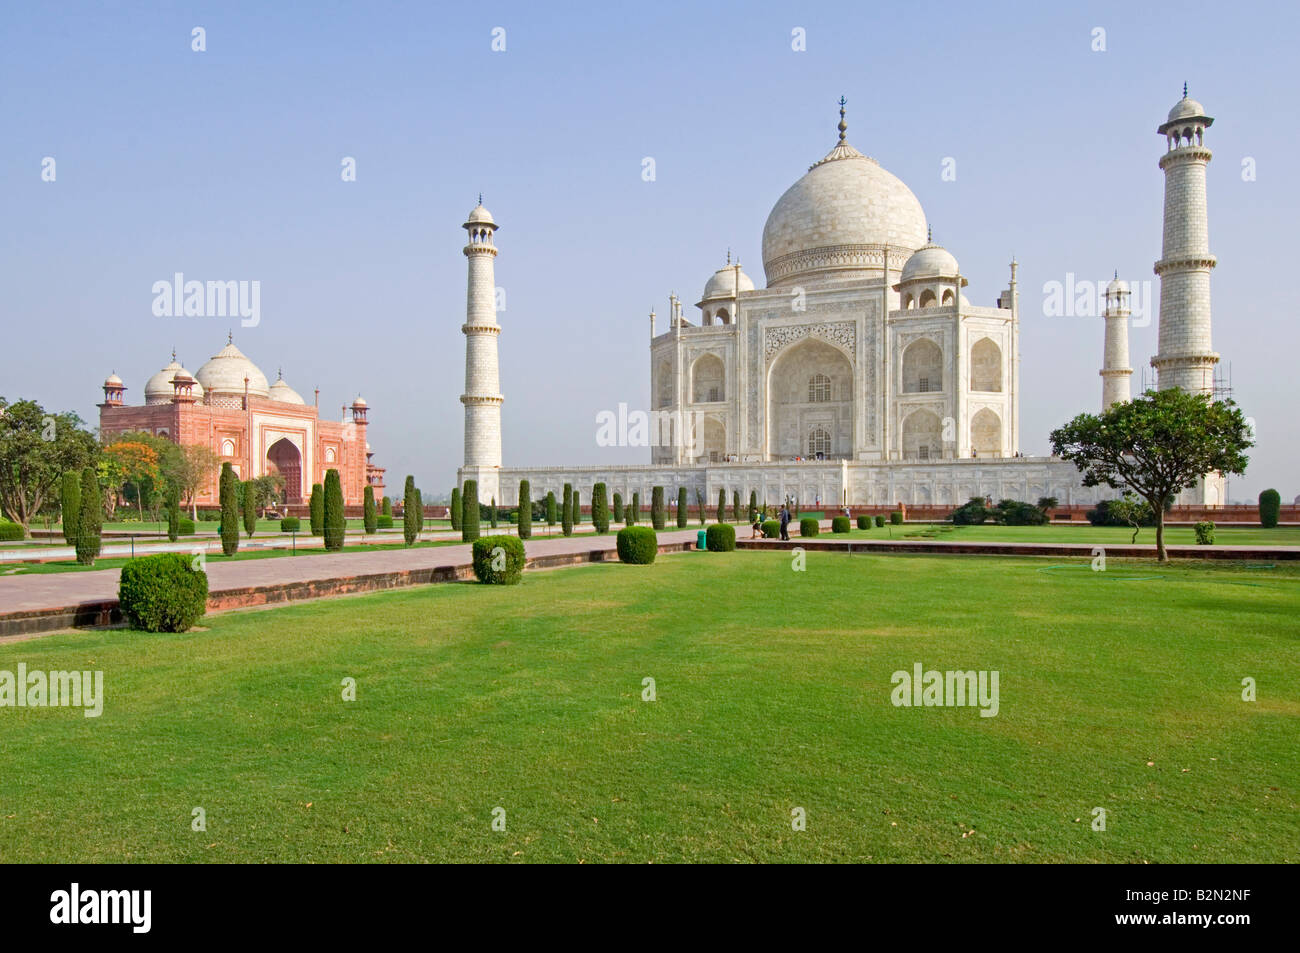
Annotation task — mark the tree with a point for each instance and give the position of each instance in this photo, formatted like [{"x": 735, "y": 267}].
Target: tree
[
  {"x": 267, "y": 491},
  {"x": 335, "y": 522},
  {"x": 492, "y": 513},
  {"x": 410, "y": 512},
  {"x": 229, "y": 510},
  {"x": 1129, "y": 509},
  {"x": 618, "y": 507},
  {"x": 551, "y": 515},
  {"x": 469, "y": 521},
  {"x": 576, "y": 509},
  {"x": 635, "y": 509},
  {"x": 369, "y": 516},
  {"x": 566, "y": 511},
  {"x": 1160, "y": 443},
  {"x": 193, "y": 471},
  {"x": 89, "y": 520},
  {"x": 753, "y": 506},
  {"x": 457, "y": 511},
  {"x": 525, "y": 511},
  {"x": 722, "y": 505},
  {"x": 1270, "y": 506},
  {"x": 36, "y": 449},
  {"x": 699, "y": 503},
  {"x": 735, "y": 506},
  {"x": 250, "y": 508},
  {"x": 1046, "y": 503},
  {"x": 683, "y": 508},
  {"x": 658, "y": 516},
  {"x": 599, "y": 509},
  {"x": 316, "y": 509},
  {"x": 130, "y": 461},
  {"x": 388, "y": 506},
  {"x": 70, "y": 505},
  {"x": 173, "y": 511}
]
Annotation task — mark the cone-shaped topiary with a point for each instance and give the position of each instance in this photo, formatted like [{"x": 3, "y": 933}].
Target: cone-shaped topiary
[
  {"x": 753, "y": 506},
  {"x": 70, "y": 505},
  {"x": 250, "y": 508},
  {"x": 369, "y": 515},
  {"x": 335, "y": 523},
  {"x": 618, "y": 507},
  {"x": 492, "y": 513},
  {"x": 599, "y": 509},
  {"x": 525, "y": 510},
  {"x": 657, "y": 514},
  {"x": 457, "y": 511},
  {"x": 388, "y": 507},
  {"x": 683, "y": 508},
  {"x": 469, "y": 512},
  {"x": 635, "y": 509},
  {"x": 735, "y": 506},
  {"x": 566, "y": 511},
  {"x": 316, "y": 509},
  {"x": 576, "y": 509},
  {"x": 229, "y": 496},
  {"x": 173, "y": 511},
  {"x": 410, "y": 511},
  {"x": 722, "y": 506},
  {"x": 552, "y": 515},
  {"x": 1270, "y": 505},
  {"x": 89, "y": 518}
]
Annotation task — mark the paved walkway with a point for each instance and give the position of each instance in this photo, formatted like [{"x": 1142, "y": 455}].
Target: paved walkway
[{"x": 54, "y": 590}]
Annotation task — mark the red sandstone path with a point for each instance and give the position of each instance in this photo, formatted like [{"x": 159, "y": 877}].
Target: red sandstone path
[{"x": 52, "y": 590}]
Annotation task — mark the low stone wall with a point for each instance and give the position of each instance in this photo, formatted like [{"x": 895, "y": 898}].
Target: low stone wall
[{"x": 1054, "y": 550}]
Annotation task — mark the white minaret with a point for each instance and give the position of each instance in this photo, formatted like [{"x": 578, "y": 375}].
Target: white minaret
[
  {"x": 482, "y": 397},
  {"x": 1116, "y": 375},
  {"x": 1186, "y": 358}
]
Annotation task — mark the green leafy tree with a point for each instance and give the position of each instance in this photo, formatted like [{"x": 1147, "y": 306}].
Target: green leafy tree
[
  {"x": 1131, "y": 510},
  {"x": 599, "y": 509},
  {"x": 229, "y": 510},
  {"x": 683, "y": 508},
  {"x": 410, "y": 512},
  {"x": 1270, "y": 507},
  {"x": 36, "y": 449},
  {"x": 90, "y": 519},
  {"x": 369, "y": 515},
  {"x": 525, "y": 510},
  {"x": 194, "y": 468},
  {"x": 70, "y": 505},
  {"x": 469, "y": 521},
  {"x": 457, "y": 508},
  {"x": 316, "y": 509},
  {"x": 1157, "y": 445},
  {"x": 658, "y": 515},
  {"x": 566, "y": 511},
  {"x": 266, "y": 490},
  {"x": 335, "y": 522},
  {"x": 250, "y": 509},
  {"x": 1046, "y": 504}
]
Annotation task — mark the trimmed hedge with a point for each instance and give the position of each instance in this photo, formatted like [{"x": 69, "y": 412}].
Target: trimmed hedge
[
  {"x": 369, "y": 515},
  {"x": 599, "y": 509},
  {"x": 173, "y": 509},
  {"x": 637, "y": 545},
  {"x": 499, "y": 560},
  {"x": 525, "y": 518},
  {"x": 185, "y": 527},
  {"x": 896, "y": 518},
  {"x": 162, "y": 593},
  {"x": 720, "y": 538},
  {"x": 10, "y": 532},
  {"x": 1270, "y": 506},
  {"x": 70, "y": 505},
  {"x": 384, "y": 521},
  {"x": 753, "y": 506},
  {"x": 229, "y": 510},
  {"x": 410, "y": 512},
  {"x": 566, "y": 510},
  {"x": 316, "y": 509},
  {"x": 658, "y": 514},
  {"x": 880, "y": 521},
  {"x": 771, "y": 529},
  {"x": 249, "y": 506},
  {"x": 683, "y": 508},
  {"x": 1205, "y": 533},
  {"x": 90, "y": 519},
  {"x": 840, "y": 524},
  {"x": 335, "y": 523},
  {"x": 457, "y": 508},
  {"x": 864, "y": 522},
  {"x": 290, "y": 524},
  {"x": 618, "y": 507},
  {"x": 469, "y": 516},
  {"x": 808, "y": 526}
]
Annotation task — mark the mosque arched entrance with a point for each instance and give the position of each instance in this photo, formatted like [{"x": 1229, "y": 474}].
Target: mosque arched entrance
[
  {"x": 286, "y": 458},
  {"x": 810, "y": 402}
]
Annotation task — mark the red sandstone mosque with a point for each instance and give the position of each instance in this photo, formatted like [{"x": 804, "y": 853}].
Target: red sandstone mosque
[{"x": 255, "y": 426}]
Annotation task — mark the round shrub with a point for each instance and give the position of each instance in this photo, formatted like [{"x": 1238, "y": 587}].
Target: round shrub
[
  {"x": 720, "y": 538},
  {"x": 880, "y": 521},
  {"x": 864, "y": 522},
  {"x": 162, "y": 593},
  {"x": 384, "y": 521},
  {"x": 840, "y": 524},
  {"x": 185, "y": 527},
  {"x": 896, "y": 518},
  {"x": 637, "y": 545},
  {"x": 499, "y": 560},
  {"x": 290, "y": 524},
  {"x": 808, "y": 526},
  {"x": 1205, "y": 533},
  {"x": 9, "y": 532},
  {"x": 1270, "y": 504},
  {"x": 771, "y": 529}
]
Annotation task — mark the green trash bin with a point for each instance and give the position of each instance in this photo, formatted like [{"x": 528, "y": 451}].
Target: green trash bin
[{"x": 701, "y": 540}]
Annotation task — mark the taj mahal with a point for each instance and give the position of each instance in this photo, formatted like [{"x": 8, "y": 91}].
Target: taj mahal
[{"x": 861, "y": 373}]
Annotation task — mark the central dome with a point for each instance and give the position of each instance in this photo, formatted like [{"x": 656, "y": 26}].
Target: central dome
[
  {"x": 835, "y": 222},
  {"x": 224, "y": 374}
]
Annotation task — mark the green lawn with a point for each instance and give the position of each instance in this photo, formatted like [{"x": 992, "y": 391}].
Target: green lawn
[
  {"x": 1118, "y": 690},
  {"x": 1114, "y": 535}
]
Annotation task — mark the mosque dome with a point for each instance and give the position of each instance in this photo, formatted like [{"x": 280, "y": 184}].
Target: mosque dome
[
  {"x": 283, "y": 392},
  {"x": 835, "y": 221},
  {"x": 158, "y": 389},
  {"x": 225, "y": 371},
  {"x": 727, "y": 282},
  {"x": 479, "y": 216},
  {"x": 1117, "y": 285},
  {"x": 112, "y": 380},
  {"x": 1186, "y": 109},
  {"x": 360, "y": 402},
  {"x": 930, "y": 261}
]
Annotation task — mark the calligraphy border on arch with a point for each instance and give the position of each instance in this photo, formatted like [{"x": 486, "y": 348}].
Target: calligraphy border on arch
[{"x": 842, "y": 333}]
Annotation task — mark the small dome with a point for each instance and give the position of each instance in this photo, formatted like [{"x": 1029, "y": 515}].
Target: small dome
[
  {"x": 224, "y": 373},
  {"x": 930, "y": 261},
  {"x": 359, "y": 402},
  {"x": 479, "y": 216},
  {"x": 158, "y": 389},
  {"x": 1117, "y": 285},
  {"x": 284, "y": 393},
  {"x": 1186, "y": 109},
  {"x": 112, "y": 380},
  {"x": 727, "y": 282}
]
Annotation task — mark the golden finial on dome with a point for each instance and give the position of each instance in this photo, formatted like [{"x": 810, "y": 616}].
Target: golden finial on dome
[{"x": 843, "y": 127}]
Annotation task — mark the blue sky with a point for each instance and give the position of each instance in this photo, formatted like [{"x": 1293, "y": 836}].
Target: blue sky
[{"x": 225, "y": 164}]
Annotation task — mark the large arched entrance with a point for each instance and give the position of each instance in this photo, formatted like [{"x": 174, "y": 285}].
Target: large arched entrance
[
  {"x": 810, "y": 402},
  {"x": 284, "y": 456}
]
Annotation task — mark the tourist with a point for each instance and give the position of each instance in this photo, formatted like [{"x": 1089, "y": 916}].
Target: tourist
[{"x": 785, "y": 522}]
